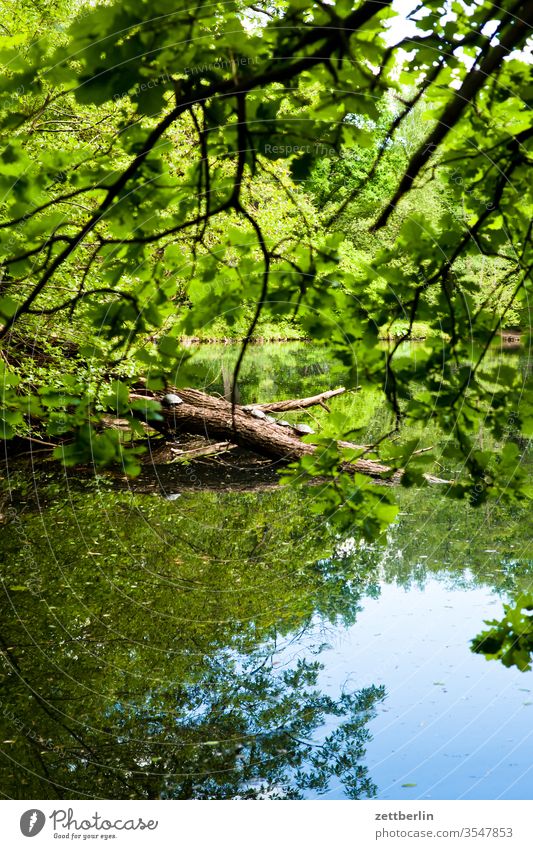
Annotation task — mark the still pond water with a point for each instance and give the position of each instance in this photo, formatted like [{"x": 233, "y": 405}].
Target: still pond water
[{"x": 178, "y": 642}]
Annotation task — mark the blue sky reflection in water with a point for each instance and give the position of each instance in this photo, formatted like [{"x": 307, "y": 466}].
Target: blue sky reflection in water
[{"x": 452, "y": 724}]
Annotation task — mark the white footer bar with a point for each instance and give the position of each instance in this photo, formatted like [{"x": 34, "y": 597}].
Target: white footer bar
[{"x": 268, "y": 824}]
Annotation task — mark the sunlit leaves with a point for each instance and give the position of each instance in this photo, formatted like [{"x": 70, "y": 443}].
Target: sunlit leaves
[{"x": 91, "y": 448}]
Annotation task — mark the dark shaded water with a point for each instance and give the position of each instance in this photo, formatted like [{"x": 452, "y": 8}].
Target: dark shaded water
[{"x": 231, "y": 644}]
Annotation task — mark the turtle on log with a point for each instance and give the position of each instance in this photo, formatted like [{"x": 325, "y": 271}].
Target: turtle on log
[
  {"x": 171, "y": 400},
  {"x": 303, "y": 429}
]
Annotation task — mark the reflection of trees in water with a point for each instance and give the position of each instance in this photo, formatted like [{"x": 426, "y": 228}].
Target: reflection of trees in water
[
  {"x": 466, "y": 546},
  {"x": 270, "y": 370},
  {"x": 155, "y": 653},
  {"x": 161, "y": 664},
  {"x": 241, "y": 730}
]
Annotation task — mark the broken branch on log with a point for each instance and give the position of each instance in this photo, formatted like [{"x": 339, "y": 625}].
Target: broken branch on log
[
  {"x": 204, "y": 451},
  {"x": 298, "y": 403}
]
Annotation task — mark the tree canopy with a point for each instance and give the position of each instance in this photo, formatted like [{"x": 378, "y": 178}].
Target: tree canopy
[{"x": 166, "y": 167}]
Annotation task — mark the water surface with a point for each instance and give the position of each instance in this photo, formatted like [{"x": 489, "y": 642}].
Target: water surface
[{"x": 230, "y": 644}]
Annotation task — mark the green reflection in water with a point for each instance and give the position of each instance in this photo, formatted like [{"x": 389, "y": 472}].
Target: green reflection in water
[{"x": 143, "y": 644}]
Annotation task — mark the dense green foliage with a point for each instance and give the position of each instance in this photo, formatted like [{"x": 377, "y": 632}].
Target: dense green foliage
[{"x": 166, "y": 170}]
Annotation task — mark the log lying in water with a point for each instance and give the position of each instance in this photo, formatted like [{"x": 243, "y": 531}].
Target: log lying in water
[{"x": 215, "y": 418}]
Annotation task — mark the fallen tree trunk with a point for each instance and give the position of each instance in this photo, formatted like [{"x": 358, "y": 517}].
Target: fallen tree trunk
[{"x": 216, "y": 419}]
